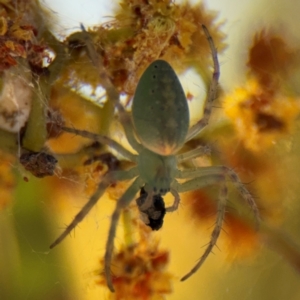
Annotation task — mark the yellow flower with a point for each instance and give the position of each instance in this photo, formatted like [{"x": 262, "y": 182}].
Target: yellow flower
[{"x": 260, "y": 116}]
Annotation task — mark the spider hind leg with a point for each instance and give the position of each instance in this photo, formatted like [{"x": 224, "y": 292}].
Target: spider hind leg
[
  {"x": 122, "y": 203},
  {"x": 215, "y": 233},
  {"x": 205, "y": 176},
  {"x": 108, "y": 179}
]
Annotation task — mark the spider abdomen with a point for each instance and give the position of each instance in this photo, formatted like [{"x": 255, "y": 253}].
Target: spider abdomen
[{"x": 160, "y": 111}]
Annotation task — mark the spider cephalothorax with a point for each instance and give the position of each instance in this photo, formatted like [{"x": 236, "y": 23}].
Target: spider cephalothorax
[{"x": 157, "y": 129}]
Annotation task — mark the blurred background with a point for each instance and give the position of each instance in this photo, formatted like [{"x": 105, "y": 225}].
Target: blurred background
[{"x": 255, "y": 131}]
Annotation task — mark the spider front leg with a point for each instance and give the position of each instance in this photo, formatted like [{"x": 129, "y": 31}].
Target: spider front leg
[
  {"x": 111, "y": 91},
  {"x": 108, "y": 179},
  {"x": 124, "y": 201},
  {"x": 105, "y": 140},
  {"x": 212, "y": 91}
]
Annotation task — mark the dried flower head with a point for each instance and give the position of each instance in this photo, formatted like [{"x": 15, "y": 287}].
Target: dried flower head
[
  {"x": 143, "y": 31},
  {"x": 139, "y": 270},
  {"x": 265, "y": 109},
  {"x": 270, "y": 59},
  {"x": 260, "y": 117},
  {"x": 18, "y": 39}
]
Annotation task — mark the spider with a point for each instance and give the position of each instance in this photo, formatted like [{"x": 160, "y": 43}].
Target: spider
[{"x": 157, "y": 130}]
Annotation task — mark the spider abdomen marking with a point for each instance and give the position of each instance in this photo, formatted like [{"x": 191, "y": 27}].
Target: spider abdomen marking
[
  {"x": 160, "y": 111},
  {"x": 157, "y": 171}
]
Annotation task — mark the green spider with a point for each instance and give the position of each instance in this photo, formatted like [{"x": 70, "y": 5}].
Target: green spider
[{"x": 157, "y": 130}]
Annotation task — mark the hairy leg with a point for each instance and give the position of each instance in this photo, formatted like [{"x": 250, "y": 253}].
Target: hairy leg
[
  {"x": 212, "y": 92},
  {"x": 107, "y": 180},
  {"x": 121, "y": 204},
  {"x": 215, "y": 233},
  {"x": 112, "y": 93},
  {"x": 105, "y": 140},
  {"x": 202, "y": 174},
  {"x": 199, "y": 151}
]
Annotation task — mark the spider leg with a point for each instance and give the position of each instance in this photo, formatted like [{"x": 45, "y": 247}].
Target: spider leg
[
  {"x": 103, "y": 140},
  {"x": 108, "y": 179},
  {"x": 215, "y": 233},
  {"x": 176, "y": 202},
  {"x": 124, "y": 201},
  {"x": 217, "y": 171},
  {"x": 112, "y": 93},
  {"x": 207, "y": 176},
  {"x": 212, "y": 92},
  {"x": 193, "y": 184},
  {"x": 199, "y": 151}
]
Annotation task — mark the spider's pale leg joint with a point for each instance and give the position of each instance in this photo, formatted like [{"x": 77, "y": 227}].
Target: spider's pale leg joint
[
  {"x": 124, "y": 201},
  {"x": 176, "y": 202},
  {"x": 216, "y": 232},
  {"x": 107, "y": 180}
]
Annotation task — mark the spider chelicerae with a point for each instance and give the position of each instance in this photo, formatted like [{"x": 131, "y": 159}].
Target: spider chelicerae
[{"x": 157, "y": 130}]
